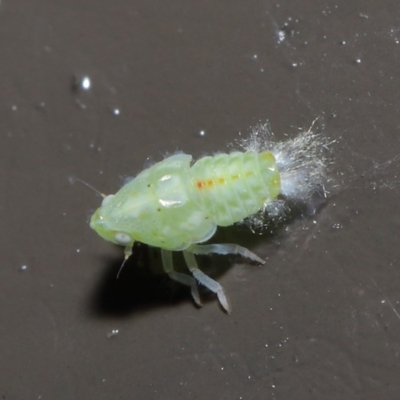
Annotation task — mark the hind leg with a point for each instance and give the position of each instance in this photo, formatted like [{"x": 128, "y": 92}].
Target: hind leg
[
  {"x": 205, "y": 280},
  {"x": 177, "y": 276},
  {"x": 226, "y": 248}
]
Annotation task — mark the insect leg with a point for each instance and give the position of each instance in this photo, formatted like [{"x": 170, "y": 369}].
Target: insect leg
[
  {"x": 181, "y": 278},
  {"x": 226, "y": 248},
  {"x": 205, "y": 280}
]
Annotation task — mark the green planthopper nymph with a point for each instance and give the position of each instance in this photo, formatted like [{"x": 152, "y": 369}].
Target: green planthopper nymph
[{"x": 176, "y": 205}]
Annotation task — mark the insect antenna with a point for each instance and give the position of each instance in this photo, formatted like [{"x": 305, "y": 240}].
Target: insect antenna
[{"x": 73, "y": 180}]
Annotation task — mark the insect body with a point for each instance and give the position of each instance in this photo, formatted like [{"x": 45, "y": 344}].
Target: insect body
[{"x": 177, "y": 206}]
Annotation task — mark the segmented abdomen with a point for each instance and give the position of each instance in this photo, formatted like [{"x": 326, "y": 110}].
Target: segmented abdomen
[{"x": 231, "y": 187}]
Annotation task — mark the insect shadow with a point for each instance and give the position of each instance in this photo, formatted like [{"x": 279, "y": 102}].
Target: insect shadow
[{"x": 142, "y": 284}]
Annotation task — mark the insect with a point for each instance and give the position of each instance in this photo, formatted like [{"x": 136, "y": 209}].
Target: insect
[{"x": 177, "y": 205}]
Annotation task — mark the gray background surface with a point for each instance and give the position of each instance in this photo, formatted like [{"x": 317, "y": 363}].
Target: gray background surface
[{"x": 320, "y": 321}]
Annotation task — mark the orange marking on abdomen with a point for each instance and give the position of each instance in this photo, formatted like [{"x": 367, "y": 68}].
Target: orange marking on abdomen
[{"x": 209, "y": 183}]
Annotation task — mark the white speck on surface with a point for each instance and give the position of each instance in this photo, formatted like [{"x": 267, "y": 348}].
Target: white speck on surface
[
  {"x": 281, "y": 36},
  {"x": 81, "y": 83},
  {"x": 116, "y": 111},
  {"x": 80, "y": 104},
  {"x": 202, "y": 133},
  {"x": 85, "y": 83},
  {"x": 23, "y": 267},
  {"x": 113, "y": 333},
  {"x": 337, "y": 226}
]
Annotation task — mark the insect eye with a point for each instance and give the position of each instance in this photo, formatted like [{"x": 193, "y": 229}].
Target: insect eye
[
  {"x": 122, "y": 238},
  {"x": 107, "y": 199}
]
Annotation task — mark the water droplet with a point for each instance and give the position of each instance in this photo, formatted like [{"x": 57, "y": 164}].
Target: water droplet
[
  {"x": 23, "y": 267},
  {"x": 116, "y": 111},
  {"x": 358, "y": 61},
  {"x": 201, "y": 133}
]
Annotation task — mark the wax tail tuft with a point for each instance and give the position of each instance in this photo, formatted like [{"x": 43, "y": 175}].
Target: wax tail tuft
[{"x": 302, "y": 162}]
